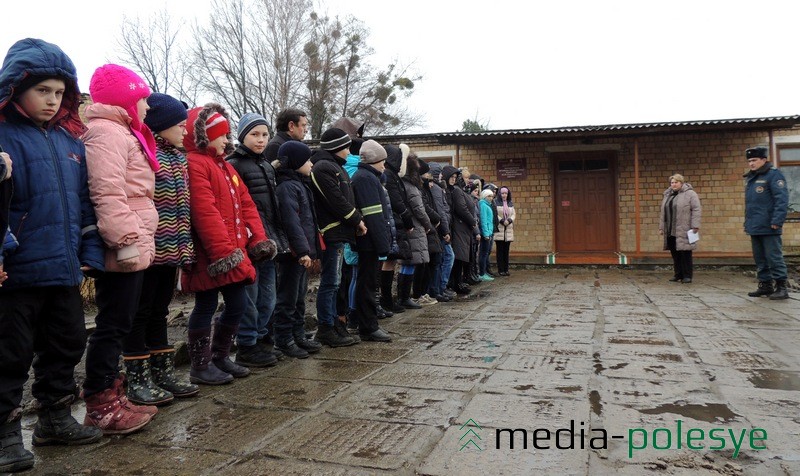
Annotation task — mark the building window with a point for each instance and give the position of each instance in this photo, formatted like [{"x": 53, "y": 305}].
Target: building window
[{"x": 789, "y": 163}]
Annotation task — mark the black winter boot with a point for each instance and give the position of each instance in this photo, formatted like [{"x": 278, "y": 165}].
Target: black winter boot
[
  {"x": 141, "y": 388},
  {"x": 764, "y": 289},
  {"x": 352, "y": 321},
  {"x": 386, "y": 301},
  {"x": 13, "y": 455},
  {"x": 267, "y": 344},
  {"x": 221, "y": 348},
  {"x": 310, "y": 346},
  {"x": 781, "y": 291},
  {"x": 255, "y": 356},
  {"x": 162, "y": 368},
  {"x": 56, "y": 426},
  {"x": 291, "y": 349},
  {"x": 342, "y": 329},
  {"x": 380, "y": 311},
  {"x": 329, "y": 336},
  {"x": 203, "y": 371},
  {"x": 404, "y": 282}
]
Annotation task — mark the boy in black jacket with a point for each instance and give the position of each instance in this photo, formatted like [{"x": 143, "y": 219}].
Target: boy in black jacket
[
  {"x": 374, "y": 245},
  {"x": 255, "y": 337},
  {"x": 339, "y": 222}
]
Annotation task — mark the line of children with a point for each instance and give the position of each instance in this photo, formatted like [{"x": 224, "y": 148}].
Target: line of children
[{"x": 119, "y": 200}]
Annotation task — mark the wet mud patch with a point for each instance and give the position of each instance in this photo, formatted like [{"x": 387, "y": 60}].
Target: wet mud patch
[
  {"x": 775, "y": 379},
  {"x": 640, "y": 341},
  {"x": 427, "y": 407},
  {"x": 355, "y": 442},
  {"x": 709, "y": 412},
  {"x": 570, "y": 389},
  {"x": 595, "y": 402}
]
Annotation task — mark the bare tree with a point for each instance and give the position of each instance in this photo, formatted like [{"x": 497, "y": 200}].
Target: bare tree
[
  {"x": 152, "y": 47},
  {"x": 243, "y": 56},
  {"x": 222, "y": 54},
  {"x": 341, "y": 82},
  {"x": 377, "y": 100},
  {"x": 266, "y": 55},
  {"x": 325, "y": 52},
  {"x": 283, "y": 30}
]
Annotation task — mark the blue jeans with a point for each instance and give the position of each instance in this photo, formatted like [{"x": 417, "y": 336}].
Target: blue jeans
[
  {"x": 329, "y": 279},
  {"x": 768, "y": 254},
  {"x": 260, "y": 305},
  {"x": 483, "y": 258},
  {"x": 351, "y": 295},
  {"x": 448, "y": 258}
]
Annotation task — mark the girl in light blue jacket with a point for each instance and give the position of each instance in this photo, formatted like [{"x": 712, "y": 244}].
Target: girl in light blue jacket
[{"x": 487, "y": 231}]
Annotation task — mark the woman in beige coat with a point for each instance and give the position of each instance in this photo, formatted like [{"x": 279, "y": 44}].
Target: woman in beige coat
[
  {"x": 680, "y": 213},
  {"x": 505, "y": 226}
]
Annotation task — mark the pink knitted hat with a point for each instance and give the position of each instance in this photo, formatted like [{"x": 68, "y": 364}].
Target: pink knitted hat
[{"x": 116, "y": 85}]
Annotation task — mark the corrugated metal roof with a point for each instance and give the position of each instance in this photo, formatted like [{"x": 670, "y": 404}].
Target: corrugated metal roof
[{"x": 616, "y": 129}]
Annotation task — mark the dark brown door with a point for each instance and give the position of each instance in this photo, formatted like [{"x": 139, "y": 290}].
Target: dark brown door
[{"x": 585, "y": 205}]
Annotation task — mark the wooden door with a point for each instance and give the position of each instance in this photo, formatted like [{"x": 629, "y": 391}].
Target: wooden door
[{"x": 585, "y": 201}]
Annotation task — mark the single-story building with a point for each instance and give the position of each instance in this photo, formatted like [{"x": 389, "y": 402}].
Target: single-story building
[{"x": 591, "y": 194}]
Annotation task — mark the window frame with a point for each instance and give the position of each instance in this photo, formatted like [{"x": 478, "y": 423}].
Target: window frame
[{"x": 791, "y": 216}]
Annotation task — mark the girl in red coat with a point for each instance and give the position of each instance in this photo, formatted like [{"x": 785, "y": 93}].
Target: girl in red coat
[{"x": 227, "y": 233}]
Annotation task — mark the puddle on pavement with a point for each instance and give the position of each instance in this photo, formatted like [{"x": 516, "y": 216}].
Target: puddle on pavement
[
  {"x": 400, "y": 406},
  {"x": 294, "y": 393},
  {"x": 594, "y": 400},
  {"x": 710, "y": 412},
  {"x": 669, "y": 357},
  {"x": 598, "y": 365},
  {"x": 638, "y": 341},
  {"x": 573, "y": 389},
  {"x": 369, "y": 452},
  {"x": 474, "y": 296},
  {"x": 775, "y": 379}
]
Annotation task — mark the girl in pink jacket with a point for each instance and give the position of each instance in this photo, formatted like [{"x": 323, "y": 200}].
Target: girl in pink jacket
[{"x": 121, "y": 160}]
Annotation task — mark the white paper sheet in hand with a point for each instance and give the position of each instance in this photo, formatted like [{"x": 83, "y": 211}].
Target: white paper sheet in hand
[{"x": 693, "y": 237}]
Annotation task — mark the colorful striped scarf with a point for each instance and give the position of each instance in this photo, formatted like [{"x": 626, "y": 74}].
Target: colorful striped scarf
[{"x": 173, "y": 236}]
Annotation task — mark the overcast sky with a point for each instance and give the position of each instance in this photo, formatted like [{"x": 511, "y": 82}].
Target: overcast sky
[{"x": 525, "y": 64}]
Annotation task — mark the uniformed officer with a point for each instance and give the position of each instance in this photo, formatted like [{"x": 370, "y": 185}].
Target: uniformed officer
[{"x": 766, "y": 204}]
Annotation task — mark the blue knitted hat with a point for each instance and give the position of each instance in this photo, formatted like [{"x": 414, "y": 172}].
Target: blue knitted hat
[
  {"x": 293, "y": 154},
  {"x": 165, "y": 112}
]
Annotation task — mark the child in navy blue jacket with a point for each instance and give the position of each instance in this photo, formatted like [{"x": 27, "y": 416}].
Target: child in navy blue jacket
[
  {"x": 300, "y": 225},
  {"x": 373, "y": 204},
  {"x": 41, "y": 309}
]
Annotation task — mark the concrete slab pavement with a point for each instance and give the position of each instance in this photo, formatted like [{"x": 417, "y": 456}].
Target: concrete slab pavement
[{"x": 567, "y": 355}]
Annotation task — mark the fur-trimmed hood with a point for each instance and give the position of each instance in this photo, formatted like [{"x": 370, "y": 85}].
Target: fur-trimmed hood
[
  {"x": 196, "y": 139},
  {"x": 396, "y": 157}
]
